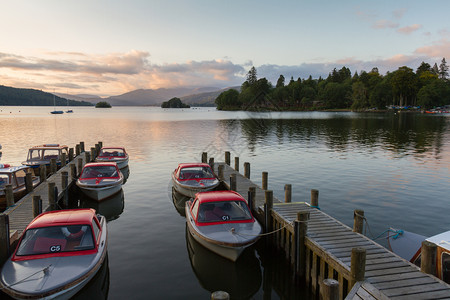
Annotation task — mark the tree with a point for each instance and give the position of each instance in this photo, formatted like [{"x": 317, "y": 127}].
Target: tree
[
  {"x": 404, "y": 85},
  {"x": 228, "y": 100},
  {"x": 424, "y": 67},
  {"x": 443, "y": 69},
  {"x": 252, "y": 76},
  {"x": 280, "y": 81},
  {"x": 434, "y": 94},
  {"x": 174, "y": 103}
]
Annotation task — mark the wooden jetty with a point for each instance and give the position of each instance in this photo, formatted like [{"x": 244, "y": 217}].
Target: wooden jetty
[
  {"x": 337, "y": 261},
  {"x": 46, "y": 196}
]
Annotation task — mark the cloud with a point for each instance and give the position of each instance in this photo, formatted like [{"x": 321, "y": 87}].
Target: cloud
[
  {"x": 382, "y": 24},
  {"x": 409, "y": 29},
  {"x": 438, "y": 49},
  {"x": 398, "y": 14}
]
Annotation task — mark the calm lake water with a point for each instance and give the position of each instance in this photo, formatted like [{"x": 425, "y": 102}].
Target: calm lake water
[{"x": 396, "y": 167}]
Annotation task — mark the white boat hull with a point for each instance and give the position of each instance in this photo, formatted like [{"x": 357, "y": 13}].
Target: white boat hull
[
  {"x": 100, "y": 193},
  {"x": 121, "y": 162},
  {"x": 190, "y": 190}
]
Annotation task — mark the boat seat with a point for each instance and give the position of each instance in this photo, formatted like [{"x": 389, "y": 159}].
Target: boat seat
[
  {"x": 218, "y": 212},
  {"x": 43, "y": 244},
  {"x": 210, "y": 216}
]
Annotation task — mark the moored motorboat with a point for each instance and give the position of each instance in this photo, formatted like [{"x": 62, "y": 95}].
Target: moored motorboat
[
  {"x": 408, "y": 246},
  {"x": 191, "y": 178},
  {"x": 42, "y": 154},
  {"x": 58, "y": 253},
  {"x": 16, "y": 177},
  {"x": 113, "y": 154},
  {"x": 100, "y": 180},
  {"x": 222, "y": 222}
]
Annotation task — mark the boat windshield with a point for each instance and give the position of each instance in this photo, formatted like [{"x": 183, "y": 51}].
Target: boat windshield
[
  {"x": 99, "y": 171},
  {"x": 195, "y": 173},
  {"x": 222, "y": 211},
  {"x": 4, "y": 180},
  {"x": 51, "y": 153},
  {"x": 56, "y": 239},
  {"x": 35, "y": 154},
  {"x": 112, "y": 153}
]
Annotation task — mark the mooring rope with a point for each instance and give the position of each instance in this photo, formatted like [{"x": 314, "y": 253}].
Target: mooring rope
[
  {"x": 45, "y": 270},
  {"x": 397, "y": 232},
  {"x": 261, "y": 234}
]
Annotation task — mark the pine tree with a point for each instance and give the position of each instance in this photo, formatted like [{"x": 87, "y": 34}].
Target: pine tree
[
  {"x": 251, "y": 76},
  {"x": 443, "y": 69}
]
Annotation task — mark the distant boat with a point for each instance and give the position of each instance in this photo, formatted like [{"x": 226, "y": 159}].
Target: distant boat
[
  {"x": 55, "y": 112},
  {"x": 69, "y": 110}
]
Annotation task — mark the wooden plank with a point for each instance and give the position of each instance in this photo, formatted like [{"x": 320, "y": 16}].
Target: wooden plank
[
  {"x": 399, "y": 276},
  {"x": 405, "y": 282},
  {"x": 424, "y": 296},
  {"x": 417, "y": 289}
]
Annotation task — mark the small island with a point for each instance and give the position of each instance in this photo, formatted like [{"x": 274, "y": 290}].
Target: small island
[
  {"x": 174, "y": 103},
  {"x": 102, "y": 104}
]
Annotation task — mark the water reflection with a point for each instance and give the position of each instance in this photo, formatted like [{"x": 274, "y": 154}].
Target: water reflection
[
  {"x": 240, "y": 279},
  {"x": 126, "y": 173},
  {"x": 179, "y": 202},
  {"x": 98, "y": 287},
  {"x": 111, "y": 207}
]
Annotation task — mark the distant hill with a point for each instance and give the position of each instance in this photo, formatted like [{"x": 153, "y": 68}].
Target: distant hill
[
  {"x": 81, "y": 97},
  {"x": 31, "y": 97},
  {"x": 206, "y": 98},
  {"x": 155, "y": 97}
]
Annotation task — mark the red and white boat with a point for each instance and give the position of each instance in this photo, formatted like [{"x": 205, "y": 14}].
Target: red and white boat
[
  {"x": 408, "y": 246},
  {"x": 113, "y": 154},
  {"x": 222, "y": 222},
  {"x": 191, "y": 178},
  {"x": 57, "y": 255},
  {"x": 100, "y": 180}
]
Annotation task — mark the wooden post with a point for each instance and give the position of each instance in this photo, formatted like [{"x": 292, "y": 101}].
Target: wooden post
[
  {"x": 314, "y": 198},
  {"x": 252, "y": 205},
  {"x": 227, "y": 157},
  {"x": 100, "y": 143},
  {"x": 97, "y": 149},
  {"x": 220, "y": 172},
  {"x": 42, "y": 173},
  {"x": 53, "y": 166},
  {"x": 265, "y": 179},
  {"x": 358, "y": 266},
  {"x": 220, "y": 295},
  {"x": 77, "y": 150},
  {"x": 63, "y": 159},
  {"x": 81, "y": 146},
  {"x": 4, "y": 238},
  {"x": 204, "y": 157},
  {"x": 236, "y": 164},
  {"x": 9, "y": 195},
  {"x": 288, "y": 193},
  {"x": 428, "y": 261},
  {"x": 93, "y": 153},
  {"x": 29, "y": 182},
  {"x": 73, "y": 172},
  {"x": 70, "y": 154},
  {"x": 268, "y": 206},
  {"x": 51, "y": 195},
  {"x": 300, "y": 229},
  {"x": 233, "y": 182},
  {"x": 330, "y": 289},
  {"x": 358, "y": 220},
  {"x": 247, "y": 170},
  {"x": 37, "y": 205},
  {"x": 80, "y": 166},
  {"x": 87, "y": 157},
  {"x": 211, "y": 163},
  {"x": 64, "y": 180}
]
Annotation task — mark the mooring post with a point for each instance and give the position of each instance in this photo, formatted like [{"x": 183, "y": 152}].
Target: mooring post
[
  {"x": 87, "y": 156},
  {"x": 53, "y": 166},
  {"x": 220, "y": 295},
  {"x": 236, "y": 164},
  {"x": 73, "y": 172},
  {"x": 63, "y": 159},
  {"x": 233, "y": 186},
  {"x": 4, "y": 238},
  {"x": 64, "y": 185},
  {"x": 357, "y": 266},
  {"x": 252, "y": 205},
  {"x": 51, "y": 195},
  {"x": 97, "y": 149},
  {"x": 80, "y": 166},
  {"x": 250, "y": 200},
  {"x": 29, "y": 182},
  {"x": 330, "y": 289},
  {"x": 37, "y": 205},
  {"x": 9, "y": 195},
  {"x": 268, "y": 206},
  {"x": 42, "y": 173},
  {"x": 77, "y": 150},
  {"x": 220, "y": 172},
  {"x": 314, "y": 198},
  {"x": 100, "y": 143},
  {"x": 93, "y": 153},
  {"x": 227, "y": 157},
  {"x": 265, "y": 178},
  {"x": 204, "y": 157},
  {"x": 287, "y": 193},
  {"x": 428, "y": 260},
  {"x": 211, "y": 163},
  {"x": 247, "y": 170},
  {"x": 81, "y": 146},
  {"x": 70, "y": 154},
  {"x": 300, "y": 230},
  {"x": 358, "y": 220}
]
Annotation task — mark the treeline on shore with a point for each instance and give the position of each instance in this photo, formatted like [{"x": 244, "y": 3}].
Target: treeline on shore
[
  {"x": 31, "y": 97},
  {"x": 426, "y": 88}
]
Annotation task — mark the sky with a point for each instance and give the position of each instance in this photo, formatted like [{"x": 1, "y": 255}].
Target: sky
[{"x": 111, "y": 47}]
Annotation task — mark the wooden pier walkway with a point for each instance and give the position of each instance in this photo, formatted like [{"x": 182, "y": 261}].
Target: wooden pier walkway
[{"x": 328, "y": 247}]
